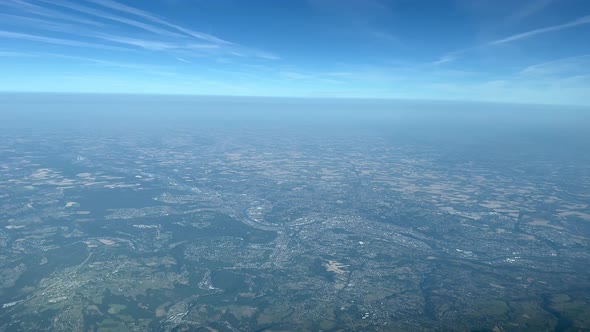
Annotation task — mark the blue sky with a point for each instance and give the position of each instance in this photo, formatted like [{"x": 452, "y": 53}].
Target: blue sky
[{"x": 535, "y": 51}]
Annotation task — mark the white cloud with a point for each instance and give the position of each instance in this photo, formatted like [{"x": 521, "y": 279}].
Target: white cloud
[
  {"x": 451, "y": 56},
  {"x": 55, "y": 41},
  {"x": 15, "y": 54},
  {"x": 444, "y": 59},
  {"x": 163, "y": 35},
  {"x": 564, "y": 66},
  {"x": 150, "y": 17},
  {"x": 182, "y": 60},
  {"x": 115, "y": 18},
  {"x": 32, "y": 9},
  {"x": 154, "y": 45},
  {"x": 531, "y": 33}
]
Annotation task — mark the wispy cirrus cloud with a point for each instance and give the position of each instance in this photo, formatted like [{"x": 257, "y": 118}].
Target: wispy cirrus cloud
[
  {"x": 451, "y": 56},
  {"x": 445, "y": 58},
  {"x": 36, "y": 10},
  {"x": 67, "y": 28},
  {"x": 144, "y": 68},
  {"x": 15, "y": 54},
  {"x": 123, "y": 27},
  {"x": 528, "y": 34},
  {"x": 183, "y": 60},
  {"x": 107, "y": 16},
  {"x": 573, "y": 66},
  {"x": 55, "y": 41},
  {"x": 150, "y": 17},
  {"x": 156, "y": 45}
]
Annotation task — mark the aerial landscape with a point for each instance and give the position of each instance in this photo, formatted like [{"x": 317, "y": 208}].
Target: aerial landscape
[
  {"x": 327, "y": 224},
  {"x": 308, "y": 165}
]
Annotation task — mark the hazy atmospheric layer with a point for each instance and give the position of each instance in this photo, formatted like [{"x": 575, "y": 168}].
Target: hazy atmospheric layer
[{"x": 190, "y": 213}]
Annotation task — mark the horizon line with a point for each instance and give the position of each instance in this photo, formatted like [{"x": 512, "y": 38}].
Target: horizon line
[{"x": 284, "y": 97}]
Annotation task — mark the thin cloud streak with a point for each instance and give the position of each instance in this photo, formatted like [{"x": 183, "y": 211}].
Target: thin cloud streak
[
  {"x": 449, "y": 57},
  {"x": 155, "y": 45},
  {"x": 444, "y": 59},
  {"x": 72, "y": 30},
  {"x": 147, "y": 16},
  {"x": 15, "y": 54},
  {"x": 36, "y": 10},
  {"x": 528, "y": 34},
  {"x": 574, "y": 65},
  {"x": 115, "y": 18},
  {"x": 266, "y": 55},
  {"x": 55, "y": 41},
  {"x": 142, "y": 68},
  {"x": 167, "y": 36},
  {"x": 183, "y": 60}
]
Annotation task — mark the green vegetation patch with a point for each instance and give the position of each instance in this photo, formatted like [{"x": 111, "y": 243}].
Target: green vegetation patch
[{"x": 114, "y": 309}]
